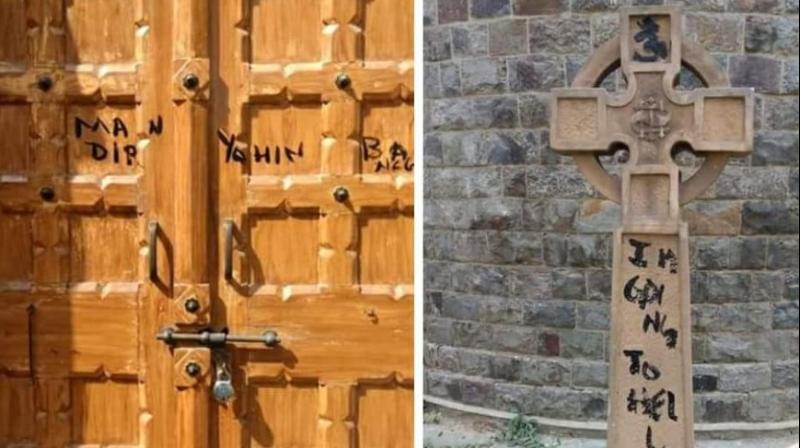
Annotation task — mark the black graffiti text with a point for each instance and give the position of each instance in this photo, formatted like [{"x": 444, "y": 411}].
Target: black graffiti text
[
  {"x": 650, "y": 292},
  {"x": 100, "y": 152},
  {"x": 236, "y": 151},
  {"x": 658, "y": 324},
  {"x": 637, "y": 366},
  {"x": 651, "y": 405},
  {"x": 649, "y": 438},
  {"x": 117, "y": 151},
  {"x": 667, "y": 259},
  {"x": 391, "y": 159},
  {"x": 638, "y": 253},
  {"x": 655, "y": 48}
]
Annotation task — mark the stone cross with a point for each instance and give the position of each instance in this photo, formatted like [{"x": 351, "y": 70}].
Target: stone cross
[{"x": 650, "y": 390}]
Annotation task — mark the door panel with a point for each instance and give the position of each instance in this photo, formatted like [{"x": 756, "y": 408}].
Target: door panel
[
  {"x": 332, "y": 276},
  {"x": 74, "y": 197}
]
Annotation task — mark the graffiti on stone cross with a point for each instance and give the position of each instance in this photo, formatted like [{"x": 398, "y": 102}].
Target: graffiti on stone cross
[
  {"x": 637, "y": 366},
  {"x": 648, "y": 261},
  {"x": 650, "y": 391},
  {"x": 653, "y": 47},
  {"x": 644, "y": 291},
  {"x": 657, "y": 323},
  {"x": 652, "y": 405}
]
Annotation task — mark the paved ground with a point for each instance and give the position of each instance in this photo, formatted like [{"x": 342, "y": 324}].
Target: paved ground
[{"x": 453, "y": 430}]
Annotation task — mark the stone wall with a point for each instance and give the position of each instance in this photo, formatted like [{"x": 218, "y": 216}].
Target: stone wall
[{"x": 517, "y": 245}]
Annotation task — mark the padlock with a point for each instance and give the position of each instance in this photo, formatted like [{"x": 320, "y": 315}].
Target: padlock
[
  {"x": 223, "y": 386},
  {"x": 223, "y": 390}
]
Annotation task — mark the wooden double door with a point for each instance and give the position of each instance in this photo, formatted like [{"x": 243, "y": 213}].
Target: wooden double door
[{"x": 235, "y": 166}]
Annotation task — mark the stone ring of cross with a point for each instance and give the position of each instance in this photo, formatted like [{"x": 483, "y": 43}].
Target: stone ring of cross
[{"x": 651, "y": 118}]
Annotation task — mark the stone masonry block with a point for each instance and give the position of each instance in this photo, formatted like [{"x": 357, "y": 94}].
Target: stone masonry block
[
  {"x": 470, "y": 40},
  {"x": 559, "y": 34},
  {"x": 484, "y": 76},
  {"x": 717, "y": 33},
  {"x": 760, "y": 72},
  {"x": 482, "y": 9},
  {"x": 452, "y": 11},
  {"x": 771, "y": 34},
  {"x": 535, "y": 72},
  {"x": 508, "y": 37}
]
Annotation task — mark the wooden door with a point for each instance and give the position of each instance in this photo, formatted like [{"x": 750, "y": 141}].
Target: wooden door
[
  {"x": 114, "y": 179},
  {"x": 101, "y": 144},
  {"x": 315, "y": 169}
]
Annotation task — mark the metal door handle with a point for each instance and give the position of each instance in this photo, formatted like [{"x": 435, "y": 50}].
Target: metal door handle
[
  {"x": 217, "y": 338},
  {"x": 227, "y": 227},
  {"x": 152, "y": 245}
]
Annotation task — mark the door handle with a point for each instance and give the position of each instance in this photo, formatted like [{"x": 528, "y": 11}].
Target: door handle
[
  {"x": 207, "y": 338},
  {"x": 152, "y": 246},
  {"x": 227, "y": 228}
]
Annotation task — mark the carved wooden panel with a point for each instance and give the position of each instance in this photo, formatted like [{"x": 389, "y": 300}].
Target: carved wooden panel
[
  {"x": 279, "y": 413},
  {"x": 385, "y": 407}
]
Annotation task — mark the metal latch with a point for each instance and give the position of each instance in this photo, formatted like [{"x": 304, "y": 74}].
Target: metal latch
[
  {"x": 216, "y": 338},
  {"x": 222, "y": 389}
]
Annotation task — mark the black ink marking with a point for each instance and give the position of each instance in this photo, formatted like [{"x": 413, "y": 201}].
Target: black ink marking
[
  {"x": 370, "y": 148},
  {"x": 119, "y": 128},
  {"x": 95, "y": 126},
  {"x": 650, "y": 372},
  {"x": 671, "y": 406},
  {"x": 259, "y": 156},
  {"x": 649, "y": 438},
  {"x": 650, "y": 293},
  {"x": 266, "y": 154},
  {"x": 651, "y": 405},
  {"x": 649, "y": 34},
  {"x": 658, "y": 324},
  {"x": 231, "y": 151},
  {"x": 130, "y": 153},
  {"x": 397, "y": 151},
  {"x": 671, "y": 335},
  {"x": 668, "y": 257},
  {"x": 157, "y": 126},
  {"x": 634, "y": 355},
  {"x": 636, "y": 366},
  {"x": 290, "y": 154},
  {"x": 397, "y": 157},
  {"x": 638, "y": 253},
  {"x": 99, "y": 152}
]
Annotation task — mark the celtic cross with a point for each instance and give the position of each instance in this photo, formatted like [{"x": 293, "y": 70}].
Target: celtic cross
[{"x": 650, "y": 390}]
